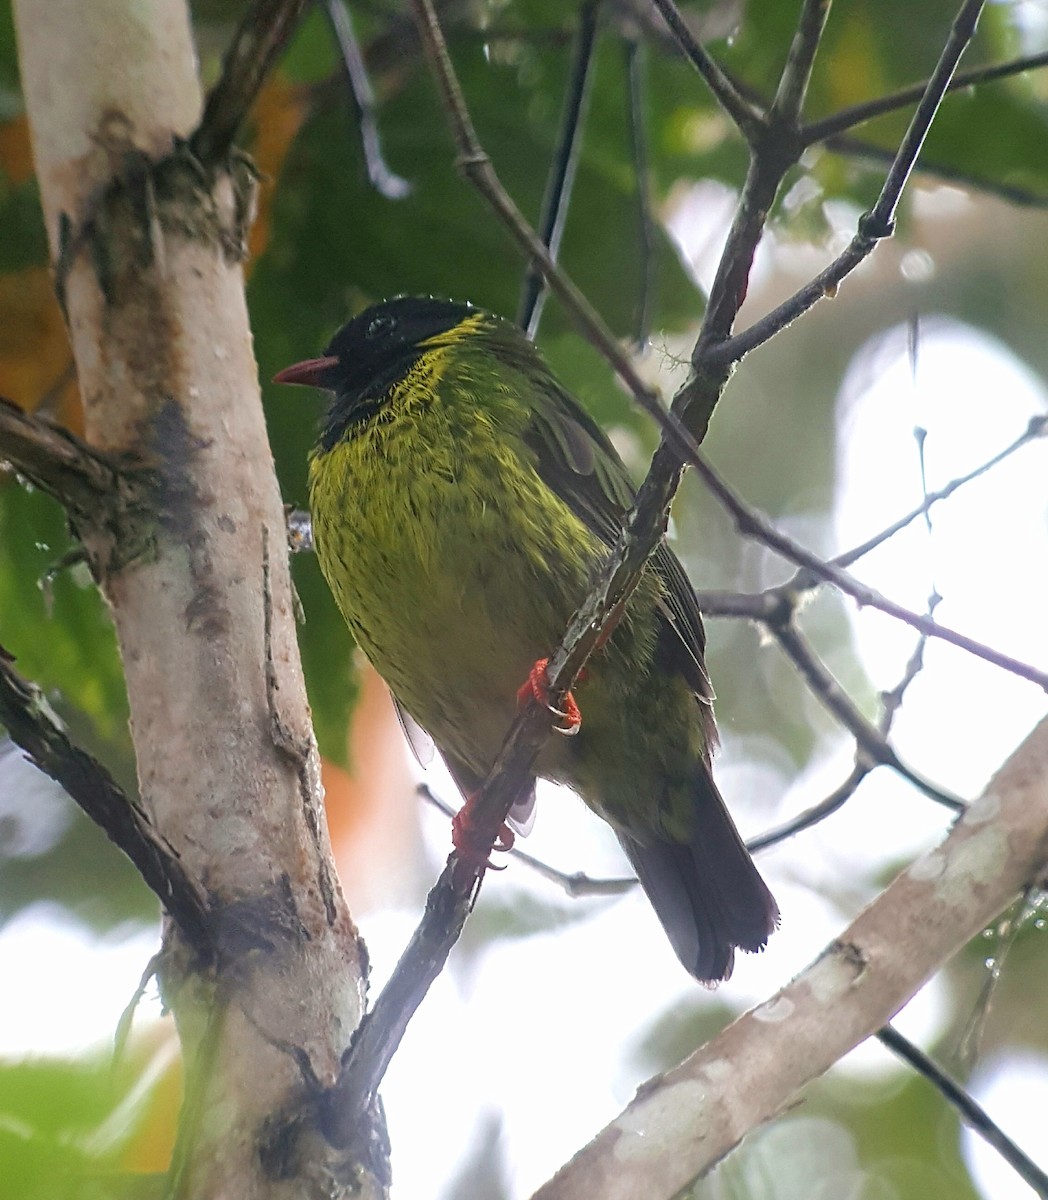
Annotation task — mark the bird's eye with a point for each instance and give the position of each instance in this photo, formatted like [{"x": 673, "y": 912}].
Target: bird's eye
[{"x": 379, "y": 326}]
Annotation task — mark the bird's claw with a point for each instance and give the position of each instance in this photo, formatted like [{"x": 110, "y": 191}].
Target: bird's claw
[
  {"x": 570, "y": 714},
  {"x": 537, "y": 687},
  {"x": 471, "y": 846}
]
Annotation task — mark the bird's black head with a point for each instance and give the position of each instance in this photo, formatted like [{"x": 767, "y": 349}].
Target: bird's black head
[{"x": 369, "y": 354}]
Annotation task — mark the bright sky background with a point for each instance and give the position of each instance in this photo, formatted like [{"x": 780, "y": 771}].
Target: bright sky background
[{"x": 546, "y": 1029}]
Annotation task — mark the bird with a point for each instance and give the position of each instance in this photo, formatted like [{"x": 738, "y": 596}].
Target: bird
[{"x": 462, "y": 502}]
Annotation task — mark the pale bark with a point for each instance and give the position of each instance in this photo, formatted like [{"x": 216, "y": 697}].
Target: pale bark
[
  {"x": 682, "y": 1123},
  {"x": 149, "y": 252}
]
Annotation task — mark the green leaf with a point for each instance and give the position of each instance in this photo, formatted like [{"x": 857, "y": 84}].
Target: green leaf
[
  {"x": 10, "y": 97},
  {"x": 24, "y": 243},
  {"x": 62, "y": 1125},
  {"x": 59, "y": 631}
]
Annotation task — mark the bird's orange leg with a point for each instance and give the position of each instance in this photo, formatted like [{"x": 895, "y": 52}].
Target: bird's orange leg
[
  {"x": 537, "y": 688},
  {"x": 471, "y": 845}
]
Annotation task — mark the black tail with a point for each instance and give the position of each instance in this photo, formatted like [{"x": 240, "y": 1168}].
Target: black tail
[{"x": 707, "y": 893}]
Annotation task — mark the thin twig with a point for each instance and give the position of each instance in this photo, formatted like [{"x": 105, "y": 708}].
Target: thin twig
[
  {"x": 575, "y": 884},
  {"x": 773, "y": 610},
  {"x": 796, "y": 74},
  {"x": 748, "y": 119},
  {"x": 32, "y": 725},
  {"x": 646, "y": 227},
  {"x": 935, "y": 170},
  {"x": 815, "y": 814},
  {"x": 1005, "y": 932},
  {"x": 474, "y": 163},
  {"x": 259, "y": 40},
  {"x": 892, "y": 700},
  {"x": 731, "y": 282},
  {"x": 871, "y": 743},
  {"x": 879, "y": 222},
  {"x": 864, "y": 763},
  {"x": 561, "y": 181},
  {"x": 971, "y": 1113},
  {"x": 882, "y": 215},
  {"x": 384, "y": 180},
  {"x": 858, "y": 114},
  {"x": 1036, "y": 428},
  {"x": 750, "y": 524}
]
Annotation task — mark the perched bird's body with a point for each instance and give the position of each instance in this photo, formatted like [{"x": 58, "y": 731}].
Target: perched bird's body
[{"x": 462, "y": 502}]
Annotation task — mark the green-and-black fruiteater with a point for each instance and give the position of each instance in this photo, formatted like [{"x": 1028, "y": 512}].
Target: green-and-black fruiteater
[{"x": 461, "y": 503}]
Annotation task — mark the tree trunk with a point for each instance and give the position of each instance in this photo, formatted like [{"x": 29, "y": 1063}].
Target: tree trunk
[{"x": 148, "y": 246}]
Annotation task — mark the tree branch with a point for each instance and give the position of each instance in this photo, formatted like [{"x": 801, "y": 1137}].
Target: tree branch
[
  {"x": 83, "y": 480},
  {"x": 879, "y": 222},
  {"x": 858, "y": 114},
  {"x": 751, "y": 524},
  {"x": 816, "y": 814},
  {"x": 647, "y": 225},
  {"x": 748, "y": 119},
  {"x": 686, "y": 1120},
  {"x": 561, "y": 180},
  {"x": 384, "y": 180},
  {"x": 972, "y": 1114},
  {"x": 858, "y": 148},
  {"x": 574, "y": 884},
  {"x": 28, "y": 718},
  {"x": 796, "y": 75},
  {"x": 475, "y": 165},
  {"x": 871, "y": 743},
  {"x": 1036, "y": 428},
  {"x": 260, "y": 38}
]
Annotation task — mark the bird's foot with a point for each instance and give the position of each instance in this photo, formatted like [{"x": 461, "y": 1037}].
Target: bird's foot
[
  {"x": 537, "y": 688},
  {"x": 471, "y": 845}
]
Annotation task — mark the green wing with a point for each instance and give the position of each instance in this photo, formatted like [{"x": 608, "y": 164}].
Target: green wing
[{"x": 575, "y": 459}]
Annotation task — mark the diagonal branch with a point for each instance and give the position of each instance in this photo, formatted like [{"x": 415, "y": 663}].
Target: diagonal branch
[
  {"x": 750, "y": 524},
  {"x": 882, "y": 215},
  {"x": 382, "y": 178},
  {"x": 574, "y": 884},
  {"x": 561, "y": 180},
  {"x": 871, "y": 743},
  {"x": 932, "y": 169},
  {"x": 879, "y": 222},
  {"x": 476, "y": 166},
  {"x": 796, "y": 75},
  {"x": 857, "y": 114},
  {"x": 748, "y": 119},
  {"x": 260, "y": 38},
  {"x": 80, "y": 478},
  {"x": 32, "y": 725},
  {"x": 814, "y": 815},
  {"x": 1037, "y": 427},
  {"x": 646, "y": 224},
  {"x": 973, "y": 1114},
  {"x": 684, "y": 1121}
]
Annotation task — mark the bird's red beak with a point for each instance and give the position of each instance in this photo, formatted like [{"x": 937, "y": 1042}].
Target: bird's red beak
[{"x": 311, "y": 373}]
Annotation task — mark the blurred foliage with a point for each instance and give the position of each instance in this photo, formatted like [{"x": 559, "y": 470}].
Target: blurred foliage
[
  {"x": 69, "y": 1130},
  {"x": 850, "y": 1138},
  {"x": 326, "y": 244}
]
